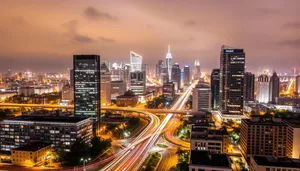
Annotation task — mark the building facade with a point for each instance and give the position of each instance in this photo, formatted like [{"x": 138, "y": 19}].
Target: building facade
[
  {"x": 105, "y": 82},
  {"x": 169, "y": 63},
  {"x": 201, "y": 97},
  {"x": 271, "y": 163},
  {"x": 274, "y": 88},
  {"x": 297, "y": 84},
  {"x": 135, "y": 62},
  {"x": 86, "y": 85},
  {"x": 263, "y": 89},
  {"x": 168, "y": 90},
  {"x": 175, "y": 78},
  {"x": 31, "y": 154},
  {"x": 232, "y": 68},
  {"x": 215, "y": 89},
  {"x": 197, "y": 70},
  {"x": 263, "y": 136},
  {"x": 206, "y": 139},
  {"x": 186, "y": 75},
  {"x": 249, "y": 82},
  {"x": 61, "y": 132}
]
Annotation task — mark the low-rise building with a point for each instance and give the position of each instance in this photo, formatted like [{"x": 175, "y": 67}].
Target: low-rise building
[
  {"x": 61, "y": 132},
  {"x": 271, "y": 163},
  {"x": 128, "y": 99},
  {"x": 31, "y": 154},
  {"x": 205, "y": 161},
  {"x": 207, "y": 139}
]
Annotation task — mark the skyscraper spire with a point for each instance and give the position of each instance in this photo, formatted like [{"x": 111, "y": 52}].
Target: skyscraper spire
[{"x": 169, "y": 49}]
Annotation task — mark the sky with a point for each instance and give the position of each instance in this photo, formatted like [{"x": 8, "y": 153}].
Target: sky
[{"x": 43, "y": 35}]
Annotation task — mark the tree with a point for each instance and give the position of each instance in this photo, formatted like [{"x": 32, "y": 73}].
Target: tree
[{"x": 78, "y": 150}]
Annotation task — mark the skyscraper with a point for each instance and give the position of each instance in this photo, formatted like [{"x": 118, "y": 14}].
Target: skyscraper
[
  {"x": 135, "y": 62},
  {"x": 201, "y": 97},
  {"x": 86, "y": 85},
  {"x": 274, "y": 86},
  {"x": 137, "y": 74},
  {"x": 105, "y": 80},
  {"x": 215, "y": 88},
  {"x": 169, "y": 63},
  {"x": 297, "y": 85},
  {"x": 159, "y": 68},
  {"x": 186, "y": 75},
  {"x": 232, "y": 68},
  {"x": 263, "y": 89},
  {"x": 176, "y": 76},
  {"x": 197, "y": 70},
  {"x": 249, "y": 81}
]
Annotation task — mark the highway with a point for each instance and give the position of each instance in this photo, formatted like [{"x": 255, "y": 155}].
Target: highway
[
  {"x": 179, "y": 103},
  {"x": 102, "y": 108}
]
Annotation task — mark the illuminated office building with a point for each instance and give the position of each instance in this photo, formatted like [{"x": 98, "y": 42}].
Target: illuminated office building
[
  {"x": 135, "y": 62},
  {"x": 86, "y": 85},
  {"x": 176, "y": 76},
  {"x": 274, "y": 86},
  {"x": 186, "y": 75},
  {"x": 215, "y": 88},
  {"x": 249, "y": 81},
  {"x": 297, "y": 84},
  {"x": 232, "y": 68}
]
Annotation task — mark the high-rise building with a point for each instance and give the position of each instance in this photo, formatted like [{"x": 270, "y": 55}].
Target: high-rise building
[
  {"x": 274, "y": 86},
  {"x": 201, "y": 97},
  {"x": 232, "y": 68},
  {"x": 263, "y": 89},
  {"x": 168, "y": 90},
  {"x": 105, "y": 80},
  {"x": 186, "y": 75},
  {"x": 86, "y": 85},
  {"x": 297, "y": 85},
  {"x": 176, "y": 76},
  {"x": 169, "y": 62},
  {"x": 249, "y": 81},
  {"x": 159, "y": 68},
  {"x": 197, "y": 70},
  {"x": 138, "y": 82},
  {"x": 72, "y": 77},
  {"x": 117, "y": 88},
  {"x": 215, "y": 88},
  {"x": 135, "y": 62}
]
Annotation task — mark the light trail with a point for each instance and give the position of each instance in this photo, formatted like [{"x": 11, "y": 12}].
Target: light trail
[{"x": 154, "y": 137}]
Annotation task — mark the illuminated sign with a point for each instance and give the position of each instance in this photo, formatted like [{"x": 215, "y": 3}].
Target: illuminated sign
[{"x": 229, "y": 51}]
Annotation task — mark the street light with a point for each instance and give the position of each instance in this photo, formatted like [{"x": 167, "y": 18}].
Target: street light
[{"x": 84, "y": 161}]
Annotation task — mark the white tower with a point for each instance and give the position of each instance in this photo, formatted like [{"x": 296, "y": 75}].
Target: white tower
[{"x": 169, "y": 62}]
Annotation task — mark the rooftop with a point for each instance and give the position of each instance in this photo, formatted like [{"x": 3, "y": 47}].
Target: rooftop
[
  {"x": 207, "y": 159},
  {"x": 292, "y": 122},
  {"x": 32, "y": 146},
  {"x": 279, "y": 162},
  {"x": 74, "y": 119}
]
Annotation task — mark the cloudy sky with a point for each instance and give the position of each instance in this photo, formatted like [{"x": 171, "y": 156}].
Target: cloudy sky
[{"x": 42, "y": 35}]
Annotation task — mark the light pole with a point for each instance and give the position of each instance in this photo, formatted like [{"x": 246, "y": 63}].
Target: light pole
[{"x": 84, "y": 161}]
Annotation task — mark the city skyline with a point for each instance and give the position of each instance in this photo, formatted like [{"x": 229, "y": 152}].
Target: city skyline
[{"x": 32, "y": 39}]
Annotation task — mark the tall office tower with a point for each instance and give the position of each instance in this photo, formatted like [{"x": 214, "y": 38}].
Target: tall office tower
[
  {"x": 138, "y": 81},
  {"x": 274, "y": 86},
  {"x": 232, "y": 68},
  {"x": 135, "y": 62},
  {"x": 186, "y": 75},
  {"x": 215, "y": 89},
  {"x": 169, "y": 63},
  {"x": 297, "y": 84},
  {"x": 105, "y": 80},
  {"x": 201, "y": 97},
  {"x": 126, "y": 75},
  {"x": 197, "y": 70},
  {"x": 176, "y": 76},
  {"x": 263, "y": 89},
  {"x": 159, "y": 68},
  {"x": 72, "y": 77},
  {"x": 249, "y": 81},
  {"x": 86, "y": 85}
]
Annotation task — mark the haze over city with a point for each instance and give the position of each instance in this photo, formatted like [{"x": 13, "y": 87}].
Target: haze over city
[{"x": 43, "y": 35}]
